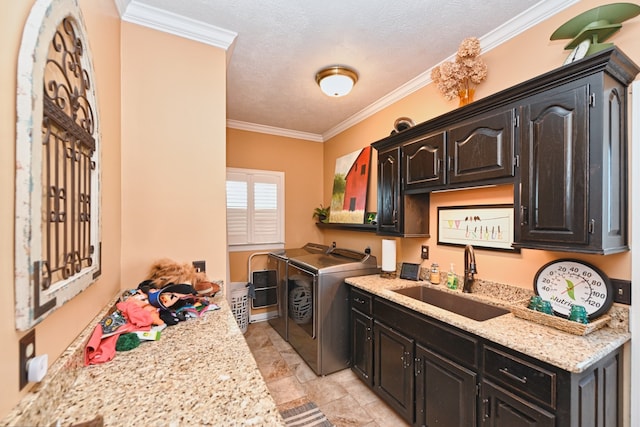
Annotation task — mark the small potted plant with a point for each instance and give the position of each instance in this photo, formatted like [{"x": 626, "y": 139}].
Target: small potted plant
[{"x": 322, "y": 213}]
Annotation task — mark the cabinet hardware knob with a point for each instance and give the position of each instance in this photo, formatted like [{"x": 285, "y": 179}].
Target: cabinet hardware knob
[
  {"x": 486, "y": 413},
  {"x": 524, "y": 211}
]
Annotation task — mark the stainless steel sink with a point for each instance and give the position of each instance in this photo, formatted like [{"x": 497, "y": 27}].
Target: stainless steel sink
[{"x": 463, "y": 306}]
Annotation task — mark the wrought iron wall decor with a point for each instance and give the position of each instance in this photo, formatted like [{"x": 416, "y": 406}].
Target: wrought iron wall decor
[
  {"x": 57, "y": 229},
  {"x": 67, "y": 150}
]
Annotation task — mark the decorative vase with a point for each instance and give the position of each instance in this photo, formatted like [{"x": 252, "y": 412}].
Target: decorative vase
[{"x": 466, "y": 96}]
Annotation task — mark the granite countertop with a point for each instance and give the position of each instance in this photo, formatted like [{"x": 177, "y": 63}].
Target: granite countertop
[
  {"x": 200, "y": 372},
  {"x": 573, "y": 353}
]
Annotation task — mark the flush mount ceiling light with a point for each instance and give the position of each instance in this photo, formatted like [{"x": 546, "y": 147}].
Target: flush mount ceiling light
[{"x": 336, "y": 80}]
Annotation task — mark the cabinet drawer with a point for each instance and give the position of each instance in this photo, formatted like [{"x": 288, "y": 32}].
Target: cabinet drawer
[
  {"x": 361, "y": 301},
  {"x": 452, "y": 344},
  {"x": 520, "y": 376},
  {"x": 449, "y": 342}
]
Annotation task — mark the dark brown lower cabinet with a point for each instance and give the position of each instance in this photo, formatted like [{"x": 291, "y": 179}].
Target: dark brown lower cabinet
[
  {"x": 599, "y": 391},
  {"x": 501, "y": 408},
  {"x": 362, "y": 346},
  {"x": 393, "y": 373},
  {"x": 518, "y": 387},
  {"x": 436, "y": 375},
  {"x": 445, "y": 391}
]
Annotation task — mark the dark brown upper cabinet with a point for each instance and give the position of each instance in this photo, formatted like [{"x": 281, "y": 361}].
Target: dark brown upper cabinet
[
  {"x": 476, "y": 151},
  {"x": 482, "y": 148},
  {"x": 389, "y": 191},
  {"x": 573, "y": 183},
  {"x": 560, "y": 138},
  {"x": 399, "y": 214},
  {"x": 554, "y": 177},
  {"x": 424, "y": 162}
]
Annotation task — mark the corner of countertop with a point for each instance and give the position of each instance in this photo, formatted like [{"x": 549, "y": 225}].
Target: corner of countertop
[{"x": 42, "y": 400}]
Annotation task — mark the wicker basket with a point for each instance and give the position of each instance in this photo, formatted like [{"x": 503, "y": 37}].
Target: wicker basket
[{"x": 520, "y": 309}]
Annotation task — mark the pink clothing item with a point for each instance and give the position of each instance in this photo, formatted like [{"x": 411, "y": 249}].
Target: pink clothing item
[
  {"x": 98, "y": 349},
  {"x": 101, "y": 350},
  {"x": 135, "y": 314}
]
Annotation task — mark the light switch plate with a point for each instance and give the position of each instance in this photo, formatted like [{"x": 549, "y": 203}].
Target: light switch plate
[
  {"x": 201, "y": 266},
  {"x": 424, "y": 252},
  {"x": 621, "y": 291}
]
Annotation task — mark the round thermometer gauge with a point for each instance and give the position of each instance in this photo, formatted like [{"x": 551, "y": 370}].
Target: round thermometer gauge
[{"x": 566, "y": 282}]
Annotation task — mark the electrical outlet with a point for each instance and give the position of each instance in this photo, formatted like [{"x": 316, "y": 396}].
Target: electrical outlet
[
  {"x": 27, "y": 347},
  {"x": 424, "y": 252},
  {"x": 621, "y": 291},
  {"x": 200, "y": 266}
]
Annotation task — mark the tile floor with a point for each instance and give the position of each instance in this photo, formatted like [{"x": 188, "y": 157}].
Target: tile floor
[{"x": 341, "y": 396}]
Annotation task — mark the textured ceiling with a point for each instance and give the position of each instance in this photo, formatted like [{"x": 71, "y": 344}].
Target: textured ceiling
[{"x": 281, "y": 44}]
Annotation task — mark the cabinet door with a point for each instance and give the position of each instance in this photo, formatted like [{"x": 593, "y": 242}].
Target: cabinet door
[
  {"x": 424, "y": 161},
  {"x": 503, "y": 409},
  {"x": 389, "y": 191},
  {"x": 555, "y": 161},
  {"x": 362, "y": 346},
  {"x": 482, "y": 149},
  {"x": 393, "y": 374},
  {"x": 597, "y": 401},
  {"x": 445, "y": 391}
]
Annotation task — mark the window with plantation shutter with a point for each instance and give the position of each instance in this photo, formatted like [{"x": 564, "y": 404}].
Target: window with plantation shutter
[{"x": 255, "y": 209}]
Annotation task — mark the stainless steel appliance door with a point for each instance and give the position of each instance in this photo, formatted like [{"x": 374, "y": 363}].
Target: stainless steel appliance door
[
  {"x": 302, "y": 308},
  {"x": 279, "y": 322}
]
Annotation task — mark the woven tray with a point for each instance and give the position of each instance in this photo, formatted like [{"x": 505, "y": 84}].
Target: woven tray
[{"x": 520, "y": 309}]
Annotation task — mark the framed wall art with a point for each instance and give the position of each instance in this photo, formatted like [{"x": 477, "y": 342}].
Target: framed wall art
[
  {"x": 483, "y": 226},
  {"x": 350, "y": 184}
]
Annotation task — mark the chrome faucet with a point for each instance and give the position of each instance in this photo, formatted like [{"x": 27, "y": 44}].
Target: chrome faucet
[{"x": 469, "y": 268}]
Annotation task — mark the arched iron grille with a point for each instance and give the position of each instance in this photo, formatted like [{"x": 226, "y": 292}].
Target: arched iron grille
[{"x": 68, "y": 146}]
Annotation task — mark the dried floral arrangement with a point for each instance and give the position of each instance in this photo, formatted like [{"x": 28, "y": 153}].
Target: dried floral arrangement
[{"x": 467, "y": 71}]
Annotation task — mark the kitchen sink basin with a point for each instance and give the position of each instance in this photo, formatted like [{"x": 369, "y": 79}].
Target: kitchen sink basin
[{"x": 463, "y": 306}]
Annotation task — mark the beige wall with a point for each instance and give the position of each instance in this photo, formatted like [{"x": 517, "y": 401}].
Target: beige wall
[
  {"x": 301, "y": 162},
  {"x": 162, "y": 188},
  {"x": 173, "y": 155},
  {"x": 523, "y": 57},
  {"x": 54, "y": 334}
]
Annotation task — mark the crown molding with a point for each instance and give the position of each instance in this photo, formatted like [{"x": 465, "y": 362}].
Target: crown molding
[
  {"x": 161, "y": 20},
  {"x": 271, "y": 130},
  {"x": 121, "y": 5},
  {"x": 531, "y": 17},
  {"x": 137, "y": 13},
  {"x": 527, "y": 19}
]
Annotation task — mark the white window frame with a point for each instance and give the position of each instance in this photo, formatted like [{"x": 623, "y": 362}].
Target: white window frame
[
  {"x": 33, "y": 303},
  {"x": 252, "y": 176}
]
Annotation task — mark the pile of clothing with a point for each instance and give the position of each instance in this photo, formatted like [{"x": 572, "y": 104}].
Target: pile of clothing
[{"x": 171, "y": 293}]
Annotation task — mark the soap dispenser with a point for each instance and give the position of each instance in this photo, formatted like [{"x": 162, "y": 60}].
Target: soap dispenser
[{"x": 452, "y": 279}]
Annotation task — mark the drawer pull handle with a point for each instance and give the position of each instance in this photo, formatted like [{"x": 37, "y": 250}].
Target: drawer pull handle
[
  {"x": 505, "y": 371},
  {"x": 358, "y": 300}
]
